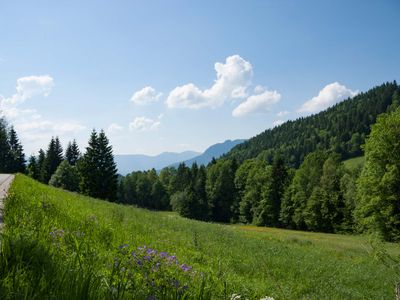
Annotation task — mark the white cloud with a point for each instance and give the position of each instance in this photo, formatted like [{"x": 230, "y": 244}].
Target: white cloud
[
  {"x": 68, "y": 127},
  {"x": 329, "y": 95},
  {"x": 278, "y": 122},
  {"x": 27, "y": 87},
  {"x": 260, "y": 103},
  {"x": 233, "y": 78},
  {"x": 114, "y": 127},
  {"x": 143, "y": 124},
  {"x": 145, "y": 96},
  {"x": 30, "y": 86},
  {"x": 283, "y": 113},
  {"x": 32, "y": 128}
]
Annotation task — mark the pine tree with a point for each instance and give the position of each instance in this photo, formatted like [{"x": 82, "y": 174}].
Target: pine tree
[
  {"x": 72, "y": 153},
  {"x": 54, "y": 156},
  {"x": 41, "y": 166},
  {"x": 98, "y": 169},
  {"x": 88, "y": 167},
  {"x": 33, "y": 169},
  {"x": 270, "y": 205},
  {"x": 108, "y": 169},
  {"x": 221, "y": 190},
  {"x": 4, "y": 147},
  {"x": 200, "y": 194},
  {"x": 17, "y": 157}
]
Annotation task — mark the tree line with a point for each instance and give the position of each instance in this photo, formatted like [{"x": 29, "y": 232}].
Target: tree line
[
  {"x": 92, "y": 173},
  {"x": 321, "y": 195}
]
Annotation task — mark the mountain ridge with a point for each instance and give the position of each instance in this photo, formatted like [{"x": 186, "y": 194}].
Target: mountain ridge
[
  {"x": 127, "y": 163},
  {"x": 214, "y": 151}
]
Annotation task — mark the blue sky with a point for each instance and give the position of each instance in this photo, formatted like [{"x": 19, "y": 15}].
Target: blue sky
[{"x": 182, "y": 75}]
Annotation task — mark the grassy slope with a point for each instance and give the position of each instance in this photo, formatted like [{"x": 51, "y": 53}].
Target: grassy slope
[
  {"x": 355, "y": 162},
  {"x": 251, "y": 260}
]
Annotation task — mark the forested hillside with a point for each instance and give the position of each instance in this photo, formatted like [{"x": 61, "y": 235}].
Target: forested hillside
[
  {"x": 295, "y": 177},
  {"x": 341, "y": 128}
]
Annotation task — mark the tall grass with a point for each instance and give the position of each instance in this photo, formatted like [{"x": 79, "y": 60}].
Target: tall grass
[{"x": 61, "y": 245}]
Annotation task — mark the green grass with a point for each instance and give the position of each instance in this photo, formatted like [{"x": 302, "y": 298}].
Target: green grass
[
  {"x": 79, "y": 262},
  {"x": 355, "y": 162}
]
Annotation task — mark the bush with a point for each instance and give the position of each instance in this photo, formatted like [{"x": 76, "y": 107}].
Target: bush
[{"x": 65, "y": 177}]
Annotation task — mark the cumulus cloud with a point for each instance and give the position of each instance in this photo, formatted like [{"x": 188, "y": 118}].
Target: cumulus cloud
[
  {"x": 114, "y": 127},
  {"x": 278, "y": 122},
  {"x": 27, "y": 87},
  {"x": 30, "y": 86},
  {"x": 329, "y": 95},
  {"x": 32, "y": 126},
  {"x": 143, "y": 123},
  {"x": 233, "y": 78},
  {"x": 145, "y": 96},
  {"x": 283, "y": 113},
  {"x": 260, "y": 103}
]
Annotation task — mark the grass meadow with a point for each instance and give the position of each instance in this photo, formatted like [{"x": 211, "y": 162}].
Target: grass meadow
[{"x": 61, "y": 245}]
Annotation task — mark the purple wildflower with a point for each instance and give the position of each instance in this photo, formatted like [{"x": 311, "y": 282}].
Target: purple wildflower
[
  {"x": 175, "y": 283},
  {"x": 163, "y": 254},
  {"x": 123, "y": 246},
  {"x": 151, "y": 251},
  {"x": 147, "y": 257},
  {"x": 171, "y": 258},
  {"x": 185, "y": 268}
]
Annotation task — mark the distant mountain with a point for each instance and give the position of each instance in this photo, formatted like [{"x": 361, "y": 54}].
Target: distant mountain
[
  {"x": 127, "y": 163},
  {"x": 213, "y": 151}
]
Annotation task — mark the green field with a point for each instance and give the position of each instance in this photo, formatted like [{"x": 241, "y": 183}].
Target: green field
[{"x": 61, "y": 245}]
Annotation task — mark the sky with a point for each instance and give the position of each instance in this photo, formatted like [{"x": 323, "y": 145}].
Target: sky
[{"x": 183, "y": 75}]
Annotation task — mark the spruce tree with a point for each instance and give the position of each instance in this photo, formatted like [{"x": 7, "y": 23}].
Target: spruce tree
[
  {"x": 108, "y": 169},
  {"x": 72, "y": 153},
  {"x": 88, "y": 167},
  {"x": 4, "y": 147},
  {"x": 271, "y": 197},
  {"x": 200, "y": 193},
  {"x": 33, "y": 170},
  {"x": 98, "y": 169},
  {"x": 41, "y": 166},
  {"x": 16, "y": 157},
  {"x": 54, "y": 156}
]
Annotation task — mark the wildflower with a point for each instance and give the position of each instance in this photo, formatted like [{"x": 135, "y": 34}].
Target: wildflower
[
  {"x": 171, "y": 258},
  {"x": 185, "y": 268},
  {"x": 151, "y": 251},
  {"x": 139, "y": 262},
  {"x": 163, "y": 254},
  {"x": 175, "y": 283},
  {"x": 123, "y": 246},
  {"x": 156, "y": 267}
]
